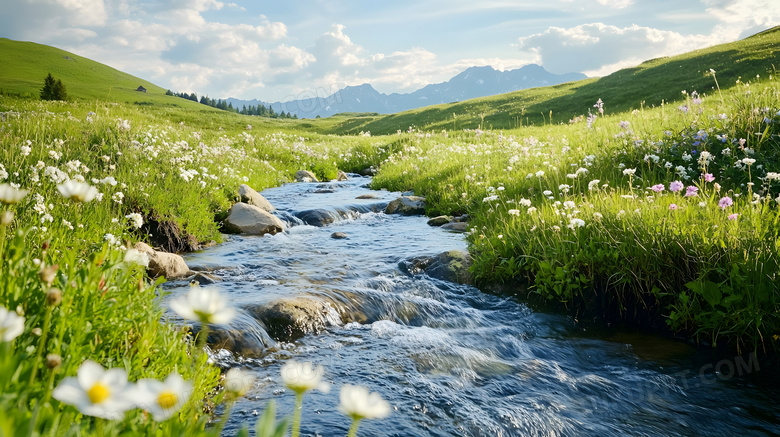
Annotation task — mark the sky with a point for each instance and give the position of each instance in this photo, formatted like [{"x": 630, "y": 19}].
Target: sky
[{"x": 284, "y": 50}]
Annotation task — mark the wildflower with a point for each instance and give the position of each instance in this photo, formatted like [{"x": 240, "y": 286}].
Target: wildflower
[
  {"x": 163, "y": 398},
  {"x": 97, "y": 392},
  {"x": 6, "y": 218},
  {"x": 110, "y": 238},
  {"x": 133, "y": 256},
  {"x": 691, "y": 191},
  {"x": 594, "y": 184},
  {"x": 547, "y": 192},
  {"x": 672, "y": 207},
  {"x": 540, "y": 173},
  {"x": 675, "y": 186},
  {"x": 531, "y": 210},
  {"x": 748, "y": 161},
  {"x": 725, "y": 202},
  {"x": 117, "y": 197},
  {"x": 358, "y": 403},
  {"x": 569, "y": 204},
  {"x": 524, "y": 202},
  {"x": 703, "y": 204},
  {"x": 624, "y": 125},
  {"x": 733, "y": 217},
  {"x": 10, "y": 195},
  {"x": 77, "y": 191},
  {"x": 597, "y": 216},
  {"x": 205, "y": 305},
  {"x": 600, "y": 106},
  {"x": 11, "y": 325},
  {"x": 772, "y": 176},
  {"x": 708, "y": 177},
  {"x": 514, "y": 212},
  {"x": 239, "y": 381},
  {"x": 658, "y": 188},
  {"x": 576, "y": 223},
  {"x": 302, "y": 377},
  {"x": 54, "y": 296},
  {"x": 629, "y": 171},
  {"x": 137, "y": 219},
  {"x": 53, "y": 361}
]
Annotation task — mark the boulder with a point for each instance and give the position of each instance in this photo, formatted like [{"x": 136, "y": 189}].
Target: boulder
[
  {"x": 341, "y": 176},
  {"x": 291, "y": 319},
  {"x": 205, "y": 278},
  {"x": 338, "y": 235},
  {"x": 456, "y": 227},
  {"x": 371, "y": 171},
  {"x": 450, "y": 266},
  {"x": 367, "y": 196},
  {"x": 440, "y": 220},
  {"x": 252, "y": 197},
  {"x": 249, "y": 219},
  {"x": 324, "y": 191},
  {"x": 168, "y": 265},
  {"x": 407, "y": 205},
  {"x": 317, "y": 217},
  {"x": 305, "y": 176}
]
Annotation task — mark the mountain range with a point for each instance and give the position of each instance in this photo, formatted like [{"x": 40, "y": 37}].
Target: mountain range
[{"x": 472, "y": 83}]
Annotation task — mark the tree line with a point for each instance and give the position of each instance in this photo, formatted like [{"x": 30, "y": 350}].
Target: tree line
[{"x": 259, "y": 110}]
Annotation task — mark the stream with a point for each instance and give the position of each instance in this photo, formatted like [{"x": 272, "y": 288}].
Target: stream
[{"x": 451, "y": 360}]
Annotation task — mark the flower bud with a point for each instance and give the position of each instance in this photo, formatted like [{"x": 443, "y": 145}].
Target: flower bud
[
  {"x": 45, "y": 246},
  {"x": 54, "y": 296},
  {"x": 48, "y": 274},
  {"x": 6, "y": 218},
  {"x": 53, "y": 361},
  {"x": 37, "y": 332}
]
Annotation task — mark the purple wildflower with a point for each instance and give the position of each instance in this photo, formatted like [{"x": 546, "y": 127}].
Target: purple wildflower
[
  {"x": 657, "y": 188},
  {"x": 691, "y": 191},
  {"x": 708, "y": 177},
  {"x": 676, "y": 186},
  {"x": 725, "y": 202},
  {"x": 733, "y": 216},
  {"x": 672, "y": 207}
]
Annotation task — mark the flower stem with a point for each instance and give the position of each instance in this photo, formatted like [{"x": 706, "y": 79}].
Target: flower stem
[
  {"x": 41, "y": 343},
  {"x": 99, "y": 427},
  {"x": 203, "y": 336},
  {"x": 353, "y": 428},
  {"x": 296, "y": 426}
]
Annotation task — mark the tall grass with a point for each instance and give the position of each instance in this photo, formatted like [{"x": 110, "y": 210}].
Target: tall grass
[{"x": 571, "y": 211}]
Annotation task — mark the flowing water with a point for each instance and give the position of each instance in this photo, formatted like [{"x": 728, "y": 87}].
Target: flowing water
[{"x": 450, "y": 359}]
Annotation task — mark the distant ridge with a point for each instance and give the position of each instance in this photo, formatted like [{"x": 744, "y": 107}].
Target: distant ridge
[{"x": 471, "y": 83}]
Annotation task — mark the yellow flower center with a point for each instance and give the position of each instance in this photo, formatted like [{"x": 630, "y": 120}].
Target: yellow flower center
[
  {"x": 167, "y": 399},
  {"x": 98, "y": 393}
]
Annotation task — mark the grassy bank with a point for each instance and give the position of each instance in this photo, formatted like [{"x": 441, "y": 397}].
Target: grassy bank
[
  {"x": 163, "y": 175},
  {"x": 665, "y": 217}
]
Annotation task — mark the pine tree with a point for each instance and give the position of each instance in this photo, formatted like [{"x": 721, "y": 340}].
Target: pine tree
[
  {"x": 47, "y": 92},
  {"x": 60, "y": 93}
]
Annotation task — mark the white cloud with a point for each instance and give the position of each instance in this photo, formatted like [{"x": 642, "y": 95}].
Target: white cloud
[
  {"x": 598, "y": 49},
  {"x": 741, "y": 18},
  {"x": 617, "y": 4}
]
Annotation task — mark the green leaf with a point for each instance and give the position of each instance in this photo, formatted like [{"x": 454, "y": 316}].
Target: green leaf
[
  {"x": 267, "y": 426},
  {"x": 709, "y": 290}
]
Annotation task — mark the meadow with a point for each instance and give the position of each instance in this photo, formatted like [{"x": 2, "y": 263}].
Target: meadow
[{"x": 663, "y": 216}]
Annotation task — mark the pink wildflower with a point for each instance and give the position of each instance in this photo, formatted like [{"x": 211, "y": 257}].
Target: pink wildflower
[
  {"x": 725, "y": 202},
  {"x": 676, "y": 186},
  {"x": 708, "y": 177},
  {"x": 733, "y": 216},
  {"x": 657, "y": 188},
  {"x": 672, "y": 207},
  {"x": 691, "y": 191}
]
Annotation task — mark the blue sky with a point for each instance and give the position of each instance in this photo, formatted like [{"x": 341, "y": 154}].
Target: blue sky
[{"x": 277, "y": 50}]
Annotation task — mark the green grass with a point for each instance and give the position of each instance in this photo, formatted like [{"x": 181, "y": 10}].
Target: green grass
[
  {"x": 646, "y": 85},
  {"x": 554, "y": 213},
  {"x": 612, "y": 248}
]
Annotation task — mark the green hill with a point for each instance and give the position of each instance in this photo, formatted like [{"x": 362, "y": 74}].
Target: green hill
[
  {"x": 648, "y": 84},
  {"x": 26, "y": 64}
]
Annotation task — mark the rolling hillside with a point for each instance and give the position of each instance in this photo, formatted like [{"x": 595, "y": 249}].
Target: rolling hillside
[
  {"x": 647, "y": 84},
  {"x": 26, "y": 64}
]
